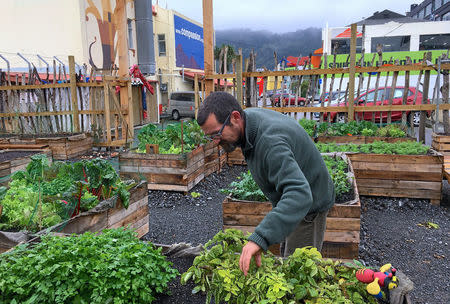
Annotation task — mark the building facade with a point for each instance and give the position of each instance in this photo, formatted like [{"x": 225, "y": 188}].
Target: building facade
[{"x": 434, "y": 10}]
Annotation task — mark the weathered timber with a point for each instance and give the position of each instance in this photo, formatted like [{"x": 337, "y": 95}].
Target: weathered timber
[
  {"x": 412, "y": 176},
  {"x": 169, "y": 172}
]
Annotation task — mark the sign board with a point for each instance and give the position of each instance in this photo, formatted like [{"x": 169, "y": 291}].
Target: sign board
[{"x": 188, "y": 44}]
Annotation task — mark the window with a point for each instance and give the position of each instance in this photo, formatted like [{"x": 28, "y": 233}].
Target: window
[
  {"x": 434, "y": 42},
  {"x": 162, "y": 44},
  {"x": 391, "y": 44},
  {"x": 427, "y": 10},
  {"x": 130, "y": 34},
  {"x": 421, "y": 14},
  {"x": 343, "y": 45}
]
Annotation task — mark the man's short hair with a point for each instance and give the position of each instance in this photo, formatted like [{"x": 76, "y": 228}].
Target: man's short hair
[{"x": 219, "y": 103}]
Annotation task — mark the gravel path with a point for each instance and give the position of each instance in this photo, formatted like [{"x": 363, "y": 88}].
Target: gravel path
[{"x": 389, "y": 234}]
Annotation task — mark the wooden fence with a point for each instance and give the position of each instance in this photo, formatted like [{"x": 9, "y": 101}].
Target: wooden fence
[
  {"x": 431, "y": 81},
  {"x": 29, "y": 107}
]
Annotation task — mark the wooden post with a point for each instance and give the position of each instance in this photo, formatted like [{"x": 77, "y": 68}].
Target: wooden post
[
  {"x": 73, "y": 94},
  {"x": 197, "y": 99},
  {"x": 351, "y": 76},
  {"x": 107, "y": 112},
  {"x": 122, "y": 44},
  {"x": 208, "y": 45},
  {"x": 426, "y": 86},
  {"x": 239, "y": 78}
]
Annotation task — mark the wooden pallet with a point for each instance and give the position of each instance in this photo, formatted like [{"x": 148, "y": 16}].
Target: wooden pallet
[
  {"x": 441, "y": 143},
  {"x": 167, "y": 172},
  {"x": 342, "y": 235},
  {"x": 412, "y": 176},
  {"x": 215, "y": 158}
]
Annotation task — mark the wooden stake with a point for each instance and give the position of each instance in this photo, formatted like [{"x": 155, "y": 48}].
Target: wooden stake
[
  {"x": 351, "y": 77},
  {"x": 208, "y": 44},
  {"x": 73, "y": 94}
]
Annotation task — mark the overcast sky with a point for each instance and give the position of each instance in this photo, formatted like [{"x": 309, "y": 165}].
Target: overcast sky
[{"x": 281, "y": 16}]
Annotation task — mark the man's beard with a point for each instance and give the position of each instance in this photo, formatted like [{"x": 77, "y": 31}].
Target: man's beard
[{"x": 229, "y": 147}]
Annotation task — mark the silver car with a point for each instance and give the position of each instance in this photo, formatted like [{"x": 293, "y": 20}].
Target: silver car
[{"x": 181, "y": 104}]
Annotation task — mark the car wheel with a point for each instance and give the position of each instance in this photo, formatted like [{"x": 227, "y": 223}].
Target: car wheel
[
  {"x": 277, "y": 104},
  {"x": 416, "y": 118},
  {"x": 340, "y": 117},
  {"x": 301, "y": 103},
  {"x": 175, "y": 115}
]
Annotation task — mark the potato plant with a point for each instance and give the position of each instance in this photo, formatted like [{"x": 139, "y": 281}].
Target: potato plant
[
  {"x": 303, "y": 277},
  {"x": 112, "y": 267}
]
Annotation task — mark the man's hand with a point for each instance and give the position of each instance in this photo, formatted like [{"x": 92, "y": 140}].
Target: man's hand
[{"x": 249, "y": 250}]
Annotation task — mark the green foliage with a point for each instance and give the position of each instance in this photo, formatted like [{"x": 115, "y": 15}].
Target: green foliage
[
  {"x": 43, "y": 195},
  {"x": 245, "y": 189},
  {"x": 112, "y": 267},
  {"x": 366, "y": 128},
  {"x": 338, "y": 168},
  {"x": 377, "y": 147},
  {"x": 304, "y": 277},
  {"x": 169, "y": 140}
]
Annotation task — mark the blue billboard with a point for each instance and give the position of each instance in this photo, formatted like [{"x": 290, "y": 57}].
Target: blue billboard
[{"x": 188, "y": 44}]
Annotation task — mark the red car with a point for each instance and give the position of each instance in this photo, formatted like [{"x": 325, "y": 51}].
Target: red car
[
  {"x": 276, "y": 100},
  {"x": 383, "y": 95}
]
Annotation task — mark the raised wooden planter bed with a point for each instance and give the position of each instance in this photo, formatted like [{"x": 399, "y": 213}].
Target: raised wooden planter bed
[
  {"x": 17, "y": 159},
  {"x": 412, "y": 176},
  {"x": 168, "y": 172},
  {"x": 215, "y": 158},
  {"x": 63, "y": 146},
  {"x": 107, "y": 214},
  {"x": 236, "y": 157},
  {"x": 441, "y": 143},
  {"x": 343, "y": 223}
]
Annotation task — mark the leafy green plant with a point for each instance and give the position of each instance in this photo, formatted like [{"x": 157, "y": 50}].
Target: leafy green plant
[
  {"x": 338, "y": 168},
  {"x": 112, "y": 267},
  {"x": 44, "y": 195},
  {"x": 304, "y": 277},
  {"x": 245, "y": 189},
  {"x": 170, "y": 139},
  {"x": 377, "y": 147}
]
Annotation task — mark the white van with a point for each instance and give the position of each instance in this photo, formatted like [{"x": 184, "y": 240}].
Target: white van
[{"x": 181, "y": 104}]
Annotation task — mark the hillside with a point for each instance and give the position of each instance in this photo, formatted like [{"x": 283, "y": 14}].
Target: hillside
[{"x": 265, "y": 43}]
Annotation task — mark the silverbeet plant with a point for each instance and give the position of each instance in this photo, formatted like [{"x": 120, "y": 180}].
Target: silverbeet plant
[
  {"x": 303, "y": 277},
  {"x": 112, "y": 267}
]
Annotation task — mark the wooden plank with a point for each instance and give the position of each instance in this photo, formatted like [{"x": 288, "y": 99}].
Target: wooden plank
[
  {"x": 143, "y": 230},
  {"x": 116, "y": 214},
  {"x": 398, "y": 184},
  {"x": 131, "y": 218},
  {"x": 242, "y": 219},
  {"x": 340, "y": 250},
  {"x": 345, "y": 224},
  {"x": 412, "y": 193},
  {"x": 345, "y": 211},
  {"x": 320, "y": 71},
  {"x": 405, "y": 159},
  {"x": 245, "y": 207},
  {"x": 208, "y": 38},
  {"x": 399, "y": 175},
  {"x": 375, "y": 166}
]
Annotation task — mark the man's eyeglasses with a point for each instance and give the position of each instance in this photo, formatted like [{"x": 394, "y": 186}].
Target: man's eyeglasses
[{"x": 218, "y": 134}]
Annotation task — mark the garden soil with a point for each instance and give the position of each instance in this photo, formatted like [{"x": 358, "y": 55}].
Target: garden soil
[{"x": 393, "y": 231}]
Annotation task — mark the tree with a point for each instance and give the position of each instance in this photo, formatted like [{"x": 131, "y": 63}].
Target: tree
[{"x": 219, "y": 56}]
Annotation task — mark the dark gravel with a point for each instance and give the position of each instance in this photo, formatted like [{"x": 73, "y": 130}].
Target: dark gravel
[
  {"x": 389, "y": 234},
  {"x": 9, "y": 155}
]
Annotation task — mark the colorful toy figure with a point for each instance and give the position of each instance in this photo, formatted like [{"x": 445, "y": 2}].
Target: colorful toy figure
[{"x": 384, "y": 279}]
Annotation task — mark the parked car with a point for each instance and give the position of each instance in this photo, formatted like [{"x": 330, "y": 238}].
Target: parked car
[
  {"x": 181, "y": 104},
  {"x": 383, "y": 95},
  {"x": 291, "y": 97}
]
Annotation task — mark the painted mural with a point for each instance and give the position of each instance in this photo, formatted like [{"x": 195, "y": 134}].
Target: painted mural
[{"x": 101, "y": 27}]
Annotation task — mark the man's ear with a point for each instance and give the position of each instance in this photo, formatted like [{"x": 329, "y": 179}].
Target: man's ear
[{"x": 235, "y": 116}]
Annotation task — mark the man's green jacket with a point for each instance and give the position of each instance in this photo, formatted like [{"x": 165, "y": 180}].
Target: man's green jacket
[{"x": 290, "y": 171}]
